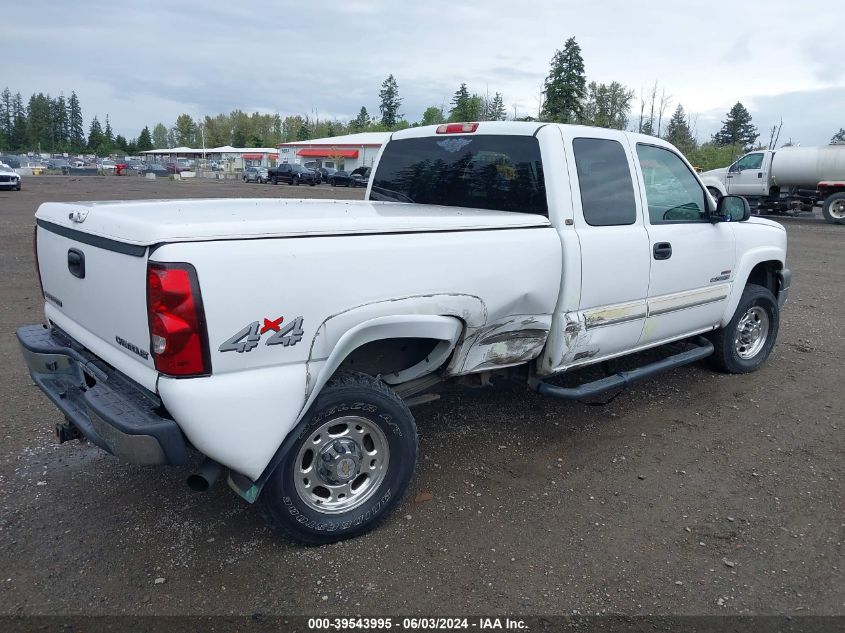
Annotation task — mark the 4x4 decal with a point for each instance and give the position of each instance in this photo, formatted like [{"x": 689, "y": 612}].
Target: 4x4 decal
[{"x": 249, "y": 337}]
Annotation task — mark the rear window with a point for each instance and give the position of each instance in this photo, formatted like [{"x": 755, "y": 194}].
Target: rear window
[
  {"x": 604, "y": 178},
  {"x": 496, "y": 172}
]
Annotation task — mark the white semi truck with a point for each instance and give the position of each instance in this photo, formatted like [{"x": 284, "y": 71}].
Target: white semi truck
[
  {"x": 285, "y": 340},
  {"x": 790, "y": 178}
]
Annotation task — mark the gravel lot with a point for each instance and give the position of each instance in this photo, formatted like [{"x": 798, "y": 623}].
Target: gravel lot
[{"x": 691, "y": 493}]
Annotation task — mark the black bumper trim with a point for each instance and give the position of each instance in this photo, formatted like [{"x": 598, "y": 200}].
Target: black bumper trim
[{"x": 108, "y": 408}]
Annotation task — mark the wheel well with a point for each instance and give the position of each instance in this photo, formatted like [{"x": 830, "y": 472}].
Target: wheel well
[
  {"x": 765, "y": 274},
  {"x": 388, "y": 356}
]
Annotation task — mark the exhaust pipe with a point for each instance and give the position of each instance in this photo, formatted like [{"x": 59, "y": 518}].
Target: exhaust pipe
[{"x": 205, "y": 475}]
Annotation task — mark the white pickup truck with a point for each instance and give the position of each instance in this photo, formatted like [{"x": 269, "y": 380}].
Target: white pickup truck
[{"x": 284, "y": 340}]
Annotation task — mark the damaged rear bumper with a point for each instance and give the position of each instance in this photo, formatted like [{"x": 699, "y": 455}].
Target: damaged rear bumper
[{"x": 102, "y": 404}]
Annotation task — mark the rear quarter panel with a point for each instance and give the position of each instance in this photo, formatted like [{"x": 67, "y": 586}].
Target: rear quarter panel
[{"x": 485, "y": 278}]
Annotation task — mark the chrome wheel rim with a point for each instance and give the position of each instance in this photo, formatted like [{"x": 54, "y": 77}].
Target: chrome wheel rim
[
  {"x": 751, "y": 332},
  {"x": 837, "y": 209},
  {"x": 341, "y": 464}
]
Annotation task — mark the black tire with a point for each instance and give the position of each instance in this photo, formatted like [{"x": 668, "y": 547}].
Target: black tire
[
  {"x": 274, "y": 180},
  {"x": 833, "y": 208},
  {"x": 348, "y": 395},
  {"x": 333, "y": 183},
  {"x": 727, "y": 357},
  {"x": 715, "y": 193}
]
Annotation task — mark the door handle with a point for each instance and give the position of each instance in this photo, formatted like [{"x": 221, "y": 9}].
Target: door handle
[{"x": 662, "y": 250}]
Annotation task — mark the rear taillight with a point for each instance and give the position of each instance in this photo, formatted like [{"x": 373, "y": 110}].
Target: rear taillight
[
  {"x": 178, "y": 335},
  {"x": 456, "y": 128}
]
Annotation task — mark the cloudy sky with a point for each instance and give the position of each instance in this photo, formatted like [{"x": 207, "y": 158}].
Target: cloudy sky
[{"x": 144, "y": 62}]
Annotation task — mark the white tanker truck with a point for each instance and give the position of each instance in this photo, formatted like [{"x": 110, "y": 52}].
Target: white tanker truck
[{"x": 790, "y": 178}]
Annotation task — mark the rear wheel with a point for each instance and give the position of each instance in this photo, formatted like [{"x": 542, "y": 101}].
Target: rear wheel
[
  {"x": 350, "y": 466},
  {"x": 833, "y": 208},
  {"x": 745, "y": 343}
]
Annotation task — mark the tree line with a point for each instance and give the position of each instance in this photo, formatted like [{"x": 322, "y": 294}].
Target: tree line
[{"x": 49, "y": 124}]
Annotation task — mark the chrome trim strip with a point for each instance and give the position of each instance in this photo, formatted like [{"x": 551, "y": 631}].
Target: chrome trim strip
[
  {"x": 617, "y": 313},
  {"x": 614, "y": 314},
  {"x": 688, "y": 299}
]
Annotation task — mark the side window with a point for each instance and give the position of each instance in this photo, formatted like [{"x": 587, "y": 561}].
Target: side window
[
  {"x": 672, "y": 192},
  {"x": 750, "y": 161},
  {"x": 604, "y": 177}
]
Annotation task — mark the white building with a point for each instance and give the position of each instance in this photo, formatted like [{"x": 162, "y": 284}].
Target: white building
[
  {"x": 231, "y": 158},
  {"x": 337, "y": 152}
]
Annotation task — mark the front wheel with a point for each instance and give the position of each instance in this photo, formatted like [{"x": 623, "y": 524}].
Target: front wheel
[
  {"x": 294, "y": 181},
  {"x": 349, "y": 467},
  {"x": 715, "y": 193},
  {"x": 833, "y": 208},
  {"x": 745, "y": 343},
  {"x": 274, "y": 180}
]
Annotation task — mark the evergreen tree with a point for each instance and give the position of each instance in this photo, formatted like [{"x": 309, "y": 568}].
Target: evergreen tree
[
  {"x": 120, "y": 143},
  {"x": 565, "y": 87},
  {"x": 60, "y": 124},
  {"x": 390, "y": 102},
  {"x": 145, "y": 141},
  {"x": 360, "y": 122},
  {"x": 108, "y": 134},
  {"x": 39, "y": 128},
  {"x": 465, "y": 107},
  {"x": 737, "y": 129},
  {"x": 839, "y": 137},
  {"x": 95, "y": 135},
  {"x": 159, "y": 136},
  {"x": 76, "y": 126},
  {"x": 497, "y": 108},
  {"x": 678, "y": 132},
  {"x": 19, "y": 138},
  {"x": 5, "y": 118}
]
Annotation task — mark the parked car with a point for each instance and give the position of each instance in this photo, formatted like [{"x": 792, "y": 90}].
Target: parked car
[
  {"x": 177, "y": 168},
  {"x": 361, "y": 176},
  {"x": 341, "y": 179},
  {"x": 9, "y": 178},
  {"x": 57, "y": 163},
  {"x": 325, "y": 172},
  {"x": 534, "y": 249},
  {"x": 156, "y": 168},
  {"x": 255, "y": 174},
  {"x": 10, "y": 161},
  {"x": 292, "y": 174}
]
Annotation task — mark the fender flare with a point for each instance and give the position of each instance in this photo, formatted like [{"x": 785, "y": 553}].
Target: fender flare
[
  {"x": 743, "y": 270},
  {"x": 446, "y": 329}
]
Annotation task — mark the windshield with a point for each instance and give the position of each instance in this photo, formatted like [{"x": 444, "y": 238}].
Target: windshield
[{"x": 497, "y": 172}]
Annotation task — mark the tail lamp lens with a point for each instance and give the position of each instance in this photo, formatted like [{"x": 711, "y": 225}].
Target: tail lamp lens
[
  {"x": 456, "y": 128},
  {"x": 178, "y": 335}
]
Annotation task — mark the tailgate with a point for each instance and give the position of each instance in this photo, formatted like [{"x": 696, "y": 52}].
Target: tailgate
[{"x": 95, "y": 290}]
